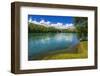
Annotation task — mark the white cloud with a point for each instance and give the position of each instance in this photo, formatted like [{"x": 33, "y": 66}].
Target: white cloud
[
  {"x": 48, "y": 24},
  {"x": 42, "y": 21},
  {"x": 62, "y": 26},
  {"x": 35, "y": 22},
  {"x": 30, "y": 20},
  {"x": 69, "y": 24},
  {"x": 45, "y": 23},
  {"x": 59, "y": 24}
]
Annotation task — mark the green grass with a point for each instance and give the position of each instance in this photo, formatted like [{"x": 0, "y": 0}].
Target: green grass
[{"x": 81, "y": 52}]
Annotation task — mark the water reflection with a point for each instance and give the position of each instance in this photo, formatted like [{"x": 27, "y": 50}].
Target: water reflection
[{"x": 46, "y": 42}]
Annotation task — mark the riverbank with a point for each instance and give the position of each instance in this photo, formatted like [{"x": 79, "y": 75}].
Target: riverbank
[{"x": 80, "y": 51}]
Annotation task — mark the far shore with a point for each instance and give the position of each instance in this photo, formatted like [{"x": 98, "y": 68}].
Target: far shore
[{"x": 79, "y": 51}]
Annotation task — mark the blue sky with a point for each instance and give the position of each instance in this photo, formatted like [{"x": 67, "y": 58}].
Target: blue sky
[{"x": 52, "y": 19}]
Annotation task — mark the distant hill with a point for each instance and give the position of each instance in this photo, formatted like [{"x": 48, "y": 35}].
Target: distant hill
[{"x": 36, "y": 28}]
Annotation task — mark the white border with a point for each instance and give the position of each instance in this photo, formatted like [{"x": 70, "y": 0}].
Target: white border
[{"x": 25, "y": 64}]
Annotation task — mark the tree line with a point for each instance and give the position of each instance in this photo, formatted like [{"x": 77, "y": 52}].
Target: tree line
[{"x": 34, "y": 28}]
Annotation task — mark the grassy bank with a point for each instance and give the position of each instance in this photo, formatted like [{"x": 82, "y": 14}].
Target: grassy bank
[{"x": 81, "y": 52}]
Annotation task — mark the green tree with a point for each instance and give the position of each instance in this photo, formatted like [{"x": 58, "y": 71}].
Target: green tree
[{"x": 81, "y": 24}]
